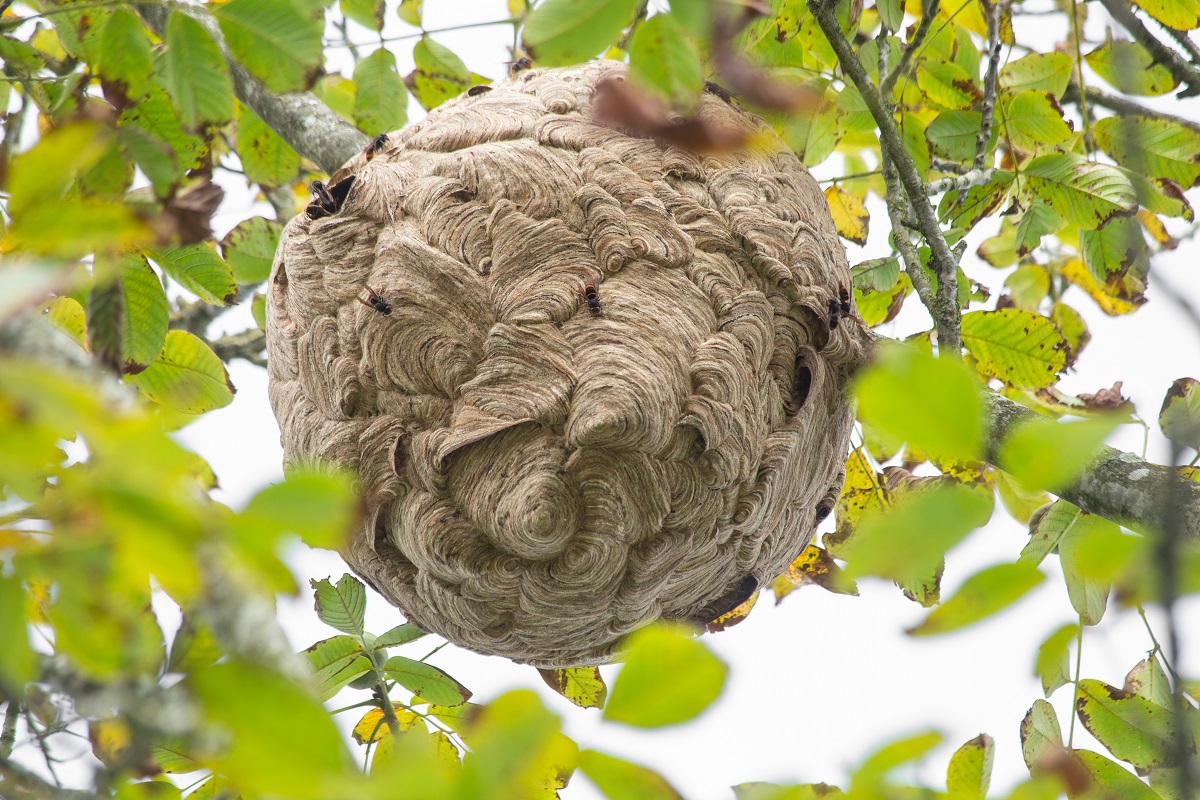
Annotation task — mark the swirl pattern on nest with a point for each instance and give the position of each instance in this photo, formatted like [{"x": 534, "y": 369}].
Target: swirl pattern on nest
[{"x": 541, "y": 480}]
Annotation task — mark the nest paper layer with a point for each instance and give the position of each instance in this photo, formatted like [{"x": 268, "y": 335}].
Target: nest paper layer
[{"x": 540, "y": 480}]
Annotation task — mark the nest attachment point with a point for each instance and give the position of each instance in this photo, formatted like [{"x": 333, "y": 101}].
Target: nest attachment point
[{"x": 587, "y": 379}]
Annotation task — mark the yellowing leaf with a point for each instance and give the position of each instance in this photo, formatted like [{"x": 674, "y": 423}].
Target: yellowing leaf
[
  {"x": 862, "y": 491},
  {"x": 1044, "y": 72},
  {"x": 849, "y": 215},
  {"x": 1182, "y": 15},
  {"x": 619, "y": 779},
  {"x": 1028, "y": 286},
  {"x": 561, "y": 32},
  {"x": 1084, "y": 193},
  {"x": 110, "y": 739},
  {"x": 931, "y": 403},
  {"x": 1179, "y": 416},
  {"x": 981, "y": 595},
  {"x": 1113, "y": 300},
  {"x": 1153, "y": 147},
  {"x": 667, "y": 678},
  {"x": 1129, "y": 68},
  {"x": 16, "y": 655},
  {"x": 816, "y": 566},
  {"x": 1133, "y": 728},
  {"x": 583, "y": 686},
  {"x": 1148, "y": 679},
  {"x": 947, "y": 85},
  {"x": 1117, "y": 782},
  {"x": 1021, "y": 348},
  {"x": 1041, "y": 736},
  {"x": 1034, "y": 120},
  {"x": 410, "y": 12},
  {"x": 368, "y": 13},
  {"x": 66, "y": 314},
  {"x": 733, "y": 616},
  {"x": 440, "y": 74},
  {"x": 970, "y": 770},
  {"x": 187, "y": 377}
]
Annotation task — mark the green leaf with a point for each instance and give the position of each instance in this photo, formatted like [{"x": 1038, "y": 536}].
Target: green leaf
[
  {"x": 980, "y": 201},
  {"x": 515, "y": 745},
  {"x": 1111, "y": 779},
  {"x": 952, "y": 135},
  {"x": 187, "y": 377},
  {"x": 891, "y": 13},
  {"x": 1115, "y": 250},
  {"x": 1148, "y": 679},
  {"x": 1047, "y": 527},
  {"x": 316, "y": 505},
  {"x": 1182, "y": 15},
  {"x": 980, "y": 596},
  {"x": 813, "y": 136},
  {"x": 174, "y": 756},
  {"x": 947, "y": 85},
  {"x": 1046, "y": 72},
  {"x": 44, "y": 173},
  {"x": 199, "y": 269},
  {"x": 440, "y": 74},
  {"x": 249, "y": 249},
  {"x": 1019, "y": 501},
  {"x": 562, "y": 32},
  {"x": 1153, "y": 147},
  {"x": 1088, "y": 595},
  {"x": 409, "y": 12},
  {"x": 194, "y": 647},
  {"x": 1021, "y": 348},
  {"x": 258, "y": 309},
  {"x": 583, "y": 686},
  {"x": 1129, "y": 68},
  {"x": 909, "y": 539},
  {"x": 876, "y": 274},
  {"x": 1028, "y": 286},
  {"x": 1038, "y": 220},
  {"x": 934, "y": 404},
  {"x": 618, "y": 779},
  {"x": 426, "y": 681},
  {"x": 125, "y": 55},
  {"x": 106, "y": 313},
  {"x": 195, "y": 74},
  {"x": 368, "y": 13},
  {"x": 1041, "y": 737},
  {"x": 665, "y": 57},
  {"x": 970, "y": 771},
  {"x": 337, "y": 662},
  {"x": 146, "y": 314},
  {"x": 1179, "y": 416},
  {"x": 1133, "y": 728},
  {"x": 341, "y": 606},
  {"x": 16, "y": 654},
  {"x": 1034, "y": 120},
  {"x": 1053, "y": 665},
  {"x": 870, "y": 773},
  {"x": 1084, "y": 193},
  {"x": 381, "y": 101},
  {"x": 667, "y": 678},
  {"x": 154, "y": 137},
  {"x": 401, "y": 634},
  {"x": 1050, "y": 455},
  {"x": 266, "y": 158},
  {"x": 875, "y": 308},
  {"x": 278, "y": 41},
  {"x": 281, "y": 741}
]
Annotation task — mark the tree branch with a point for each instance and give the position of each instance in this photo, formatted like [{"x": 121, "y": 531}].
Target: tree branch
[
  {"x": 984, "y": 137},
  {"x": 1118, "y": 486},
  {"x": 22, "y": 783},
  {"x": 945, "y": 313},
  {"x": 1096, "y": 97},
  {"x": 313, "y": 129},
  {"x": 968, "y": 180},
  {"x": 888, "y": 83},
  {"x": 1181, "y": 70}
]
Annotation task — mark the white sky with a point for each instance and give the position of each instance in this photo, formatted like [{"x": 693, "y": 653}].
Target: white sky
[{"x": 819, "y": 681}]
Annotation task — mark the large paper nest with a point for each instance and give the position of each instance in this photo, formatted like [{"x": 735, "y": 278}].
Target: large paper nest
[{"x": 539, "y": 479}]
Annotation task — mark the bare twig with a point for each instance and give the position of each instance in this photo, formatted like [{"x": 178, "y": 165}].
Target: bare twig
[
  {"x": 1076, "y": 35},
  {"x": 945, "y": 312},
  {"x": 889, "y": 82},
  {"x": 1120, "y": 105},
  {"x": 984, "y": 137},
  {"x": 1185, "y": 41},
  {"x": 972, "y": 178},
  {"x": 248, "y": 345},
  {"x": 1180, "y": 69},
  {"x": 20, "y": 780}
]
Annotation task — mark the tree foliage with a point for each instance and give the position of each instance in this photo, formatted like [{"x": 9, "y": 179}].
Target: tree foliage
[{"x": 958, "y": 124}]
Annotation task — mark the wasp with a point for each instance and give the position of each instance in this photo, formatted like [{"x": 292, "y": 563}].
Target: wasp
[
  {"x": 377, "y": 144},
  {"x": 520, "y": 65},
  {"x": 844, "y": 300},
  {"x": 327, "y": 199},
  {"x": 375, "y": 301},
  {"x": 593, "y": 298},
  {"x": 475, "y": 91},
  {"x": 835, "y": 312}
]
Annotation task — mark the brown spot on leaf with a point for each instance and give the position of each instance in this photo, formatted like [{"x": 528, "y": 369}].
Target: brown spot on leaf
[{"x": 1107, "y": 399}]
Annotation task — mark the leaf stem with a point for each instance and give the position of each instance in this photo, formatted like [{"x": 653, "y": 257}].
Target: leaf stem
[
  {"x": 1088, "y": 141},
  {"x": 1075, "y": 697}
]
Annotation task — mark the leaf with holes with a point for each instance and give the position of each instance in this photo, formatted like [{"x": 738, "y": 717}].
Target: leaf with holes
[
  {"x": 195, "y": 74},
  {"x": 983, "y": 594},
  {"x": 1085, "y": 193},
  {"x": 1153, "y": 147},
  {"x": 583, "y": 686},
  {"x": 663, "y": 56},
  {"x": 381, "y": 100},
  {"x": 1023, "y": 349},
  {"x": 426, "y": 681},
  {"x": 188, "y": 377},
  {"x": 561, "y": 32},
  {"x": 266, "y": 158},
  {"x": 1128, "y": 67},
  {"x": 850, "y": 217},
  {"x": 278, "y": 41}
]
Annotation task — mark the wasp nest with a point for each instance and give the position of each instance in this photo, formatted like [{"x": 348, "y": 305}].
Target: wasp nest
[{"x": 587, "y": 379}]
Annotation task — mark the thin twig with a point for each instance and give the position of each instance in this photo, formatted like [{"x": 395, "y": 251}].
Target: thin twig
[
  {"x": 968, "y": 180},
  {"x": 984, "y": 137},
  {"x": 946, "y": 314},
  {"x": 41, "y": 736},
  {"x": 1125, "y": 107},
  {"x": 248, "y": 345},
  {"x": 1184, "y": 40},
  {"x": 889, "y": 82},
  {"x": 1180, "y": 69},
  {"x": 1088, "y": 142},
  {"x": 32, "y": 785}
]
